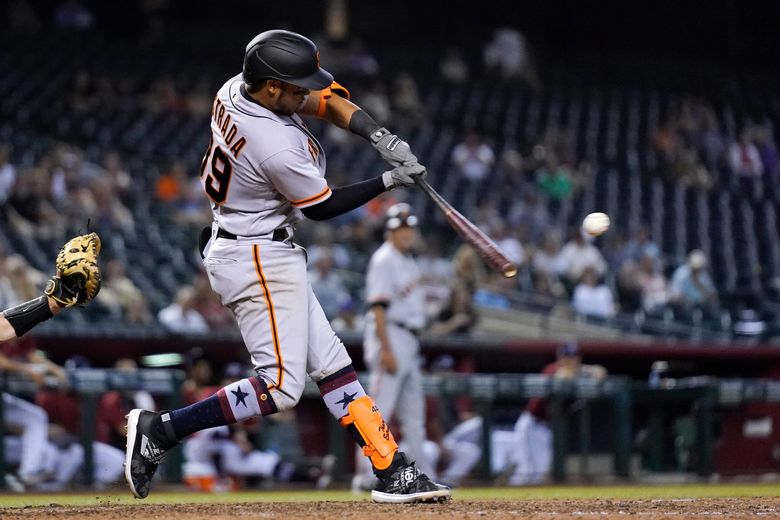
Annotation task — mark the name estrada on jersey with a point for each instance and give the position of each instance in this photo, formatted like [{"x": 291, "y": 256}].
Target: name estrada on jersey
[{"x": 261, "y": 168}]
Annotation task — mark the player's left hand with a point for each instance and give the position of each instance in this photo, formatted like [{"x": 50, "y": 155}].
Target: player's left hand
[
  {"x": 78, "y": 276},
  {"x": 392, "y": 148},
  {"x": 403, "y": 176}
]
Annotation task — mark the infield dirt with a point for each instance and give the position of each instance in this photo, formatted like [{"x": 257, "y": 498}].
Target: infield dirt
[{"x": 699, "y": 508}]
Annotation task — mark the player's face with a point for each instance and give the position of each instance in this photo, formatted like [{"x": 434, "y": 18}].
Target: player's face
[
  {"x": 404, "y": 238},
  {"x": 290, "y": 98}
]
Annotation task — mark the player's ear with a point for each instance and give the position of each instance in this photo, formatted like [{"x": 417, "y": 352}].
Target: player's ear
[{"x": 274, "y": 86}]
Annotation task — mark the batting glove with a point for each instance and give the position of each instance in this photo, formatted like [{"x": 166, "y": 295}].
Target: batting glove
[
  {"x": 403, "y": 176},
  {"x": 392, "y": 149}
]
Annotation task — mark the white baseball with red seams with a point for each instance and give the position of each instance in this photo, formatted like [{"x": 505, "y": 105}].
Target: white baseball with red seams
[{"x": 596, "y": 224}]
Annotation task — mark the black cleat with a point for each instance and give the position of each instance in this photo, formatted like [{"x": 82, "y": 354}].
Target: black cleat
[
  {"x": 403, "y": 483},
  {"x": 148, "y": 440}
]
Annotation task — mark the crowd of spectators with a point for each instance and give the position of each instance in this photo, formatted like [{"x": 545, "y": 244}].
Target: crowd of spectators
[{"x": 527, "y": 210}]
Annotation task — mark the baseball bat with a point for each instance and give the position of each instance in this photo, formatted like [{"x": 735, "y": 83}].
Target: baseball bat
[{"x": 482, "y": 244}]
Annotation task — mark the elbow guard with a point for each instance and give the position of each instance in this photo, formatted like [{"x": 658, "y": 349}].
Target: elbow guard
[{"x": 326, "y": 93}]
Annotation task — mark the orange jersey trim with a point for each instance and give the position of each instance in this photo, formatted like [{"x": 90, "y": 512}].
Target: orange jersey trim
[
  {"x": 272, "y": 318},
  {"x": 324, "y": 194}
]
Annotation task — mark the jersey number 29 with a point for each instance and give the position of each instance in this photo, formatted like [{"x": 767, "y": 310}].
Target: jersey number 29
[{"x": 217, "y": 181}]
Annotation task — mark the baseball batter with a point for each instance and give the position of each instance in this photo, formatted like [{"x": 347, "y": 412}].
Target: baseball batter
[
  {"x": 391, "y": 349},
  {"x": 263, "y": 172}
]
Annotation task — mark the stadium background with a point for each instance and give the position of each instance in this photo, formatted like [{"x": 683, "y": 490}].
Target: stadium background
[{"x": 603, "y": 82}]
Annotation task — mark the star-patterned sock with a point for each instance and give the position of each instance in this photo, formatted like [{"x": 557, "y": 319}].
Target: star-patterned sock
[
  {"x": 340, "y": 389},
  {"x": 235, "y": 402}
]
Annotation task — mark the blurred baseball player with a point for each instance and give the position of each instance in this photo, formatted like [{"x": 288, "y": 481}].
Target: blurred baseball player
[
  {"x": 532, "y": 435},
  {"x": 77, "y": 282},
  {"x": 391, "y": 349},
  {"x": 263, "y": 172}
]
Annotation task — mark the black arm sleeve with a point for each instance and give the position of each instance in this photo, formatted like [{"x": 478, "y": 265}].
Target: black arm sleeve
[
  {"x": 363, "y": 124},
  {"x": 345, "y": 198}
]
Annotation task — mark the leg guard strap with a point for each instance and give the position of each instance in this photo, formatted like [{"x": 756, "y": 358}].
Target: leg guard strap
[{"x": 378, "y": 444}]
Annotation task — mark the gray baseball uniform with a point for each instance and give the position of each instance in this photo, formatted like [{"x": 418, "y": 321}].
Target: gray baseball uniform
[
  {"x": 261, "y": 168},
  {"x": 394, "y": 278}
]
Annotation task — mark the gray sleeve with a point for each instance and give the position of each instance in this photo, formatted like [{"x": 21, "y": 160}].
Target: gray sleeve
[{"x": 296, "y": 178}]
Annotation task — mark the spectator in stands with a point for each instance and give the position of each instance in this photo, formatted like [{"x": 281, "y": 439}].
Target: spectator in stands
[
  {"x": 436, "y": 272},
  {"x": 639, "y": 246},
  {"x": 711, "y": 142},
  {"x": 171, "y": 183},
  {"x": 459, "y": 315},
  {"x": 744, "y": 158},
  {"x": 406, "y": 99},
  {"x": 453, "y": 67},
  {"x": 767, "y": 149},
  {"x": 192, "y": 210},
  {"x": 120, "y": 295},
  {"x": 692, "y": 287},
  {"x": 532, "y": 453},
  {"x": 496, "y": 292},
  {"x": 7, "y": 173},
  {"x": 361, "y": 62},
  {"x": 325, "y": 244},
  {"x": 208, "y": 305},
  {"x": 577, "y": 255},
  {"x": 122, "y": 184},
  {"x": 327, "y": 284},
  {"x": 376, "y": 101},
  {"x": 653, "y": 285},
  {"x": 555, "y": 180},
  {"x": 508, "y": 243},
  {"x": 507, "y": 56},
  {"x": 687, "y": 169},
  {"x": 181, "y": 316},
  {"x": 546, "y": 259},
  {"x": 8, "y": 297},
  {"x": 511, "y": 179},
  {"x": 348, "y": 319},
  {"x": 110, "y": 214},
  {"x": 29, "y": 209},
  {"x": 529, "y": 215},
  {"x": 163, "y": 96},
  {"x": 473, "y": 158},
  {"x": 592, "y": 298},
  {"x": 25, "y": 281}
]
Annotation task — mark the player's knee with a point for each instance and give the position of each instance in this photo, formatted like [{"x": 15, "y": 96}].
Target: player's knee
[{"x": 287, "y": 400}]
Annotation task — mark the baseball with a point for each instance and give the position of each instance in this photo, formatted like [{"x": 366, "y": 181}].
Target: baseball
[{"x": 595, "y": 224}]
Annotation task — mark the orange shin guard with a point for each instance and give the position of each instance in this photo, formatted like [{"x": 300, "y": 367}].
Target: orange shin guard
[{"x": 378, "y": 442}]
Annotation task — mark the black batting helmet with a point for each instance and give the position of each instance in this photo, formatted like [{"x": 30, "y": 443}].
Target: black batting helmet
[{"x": 286, "y": 56}]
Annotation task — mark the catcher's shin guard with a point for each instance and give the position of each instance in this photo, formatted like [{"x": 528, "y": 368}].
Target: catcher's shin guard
[{"x": 365, "y": 423}]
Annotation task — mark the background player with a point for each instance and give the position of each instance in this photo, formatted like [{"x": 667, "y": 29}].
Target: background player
[
  {"x": 263, "y": 171},
  {"x": 532, "y": 445},
  {"x": 391, "y": 349}
]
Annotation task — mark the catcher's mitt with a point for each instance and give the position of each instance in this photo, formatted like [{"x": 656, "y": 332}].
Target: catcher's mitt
[{"x": 78, "y": 276}]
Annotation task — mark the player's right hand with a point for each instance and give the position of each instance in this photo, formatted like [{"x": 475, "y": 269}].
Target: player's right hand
[
  {"x": 403, "y": 176},
  {"x": 387, "y": 361}
]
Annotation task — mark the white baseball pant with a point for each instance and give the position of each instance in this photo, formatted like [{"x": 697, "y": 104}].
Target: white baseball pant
[
  {"x": 33, "y": 422},
  {"x": 283, "y": 325}
]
